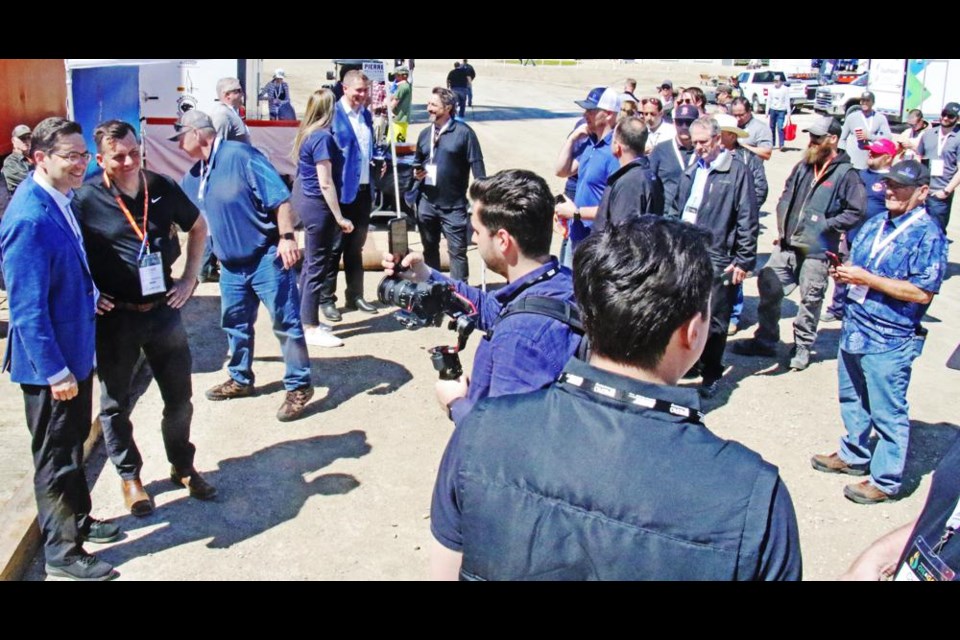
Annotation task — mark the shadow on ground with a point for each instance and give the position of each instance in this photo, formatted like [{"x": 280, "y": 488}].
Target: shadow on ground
[
  {"x": 256, "y": 493},
  {"x": 493, "y": 114},
  {"x": 346, "y": 378}
]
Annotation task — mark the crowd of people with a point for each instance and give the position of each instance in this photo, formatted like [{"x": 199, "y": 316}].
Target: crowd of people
[{"x": 614, "y": 474}]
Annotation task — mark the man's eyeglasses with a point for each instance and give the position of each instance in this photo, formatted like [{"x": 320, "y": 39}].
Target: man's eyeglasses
[
  {"x": 75, "y": 158},
  {"x": 684, "y": 101},
  {"x": 816, "y": 139}
]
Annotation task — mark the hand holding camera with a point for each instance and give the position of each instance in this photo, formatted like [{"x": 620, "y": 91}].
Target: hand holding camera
[{"x": 411, "y": 267}]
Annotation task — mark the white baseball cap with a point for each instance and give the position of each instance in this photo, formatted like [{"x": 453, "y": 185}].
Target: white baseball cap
[{"x": 610, "y": 100}]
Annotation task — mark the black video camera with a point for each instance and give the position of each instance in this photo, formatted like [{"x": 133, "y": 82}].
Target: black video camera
[{"x": 424, "y": 304}]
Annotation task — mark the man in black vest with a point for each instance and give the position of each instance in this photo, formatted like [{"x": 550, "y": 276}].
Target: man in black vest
[
  {"x": 609, "y": 473},
  {"x": 823, "y": 197}
]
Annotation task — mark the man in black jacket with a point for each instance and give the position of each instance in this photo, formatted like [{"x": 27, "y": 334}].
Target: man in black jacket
[
  {"x": 632, "y": 190},
  {"x": 717, "y": 194},
  {"x": 730, "y": 135},
  {"x": 672, "y": 157},
  {"x": 824, "y": 196}
]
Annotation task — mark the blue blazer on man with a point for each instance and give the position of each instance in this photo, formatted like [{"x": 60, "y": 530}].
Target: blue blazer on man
[
  {"x": 51, "y": 292},
  {"x": 350, "y": 146}
]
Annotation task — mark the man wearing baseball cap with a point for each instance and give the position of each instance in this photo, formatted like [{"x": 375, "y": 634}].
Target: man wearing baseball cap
[
  {"x": 226, "y": 113},
  {"x": 879, "y": 159},
  {"x": 670, "y": 158},
  {"x": 247, "y": 207},
  {"x": 17, "y": 165},
  {"x": 823, "y": 197},
  {"x": 861, "y": 128},
  {"x": 666, "y": 97},
  {"x": 582, "y": 135},
  {"x": 897, "y": 263},
  {"x": 938, "y": 148},
  {"x": 594, "y": 165}
]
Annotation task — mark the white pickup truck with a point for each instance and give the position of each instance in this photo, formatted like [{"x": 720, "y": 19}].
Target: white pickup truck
[{"x": 755, "y": 84}]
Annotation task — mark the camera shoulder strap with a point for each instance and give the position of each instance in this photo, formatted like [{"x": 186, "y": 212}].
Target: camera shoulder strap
[{"x": 559, "y": 310}]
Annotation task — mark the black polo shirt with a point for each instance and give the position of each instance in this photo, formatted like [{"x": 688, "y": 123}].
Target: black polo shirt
[
  {"x": 458, "y": 151},
  {"x": 113, "y": 248}
]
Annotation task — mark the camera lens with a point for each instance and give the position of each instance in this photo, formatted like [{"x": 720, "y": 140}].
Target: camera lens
[{"x": 395, "y": 292}]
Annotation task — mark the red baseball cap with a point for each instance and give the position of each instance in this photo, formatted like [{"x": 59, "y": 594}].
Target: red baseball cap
[{"x": 883, "y": 147}]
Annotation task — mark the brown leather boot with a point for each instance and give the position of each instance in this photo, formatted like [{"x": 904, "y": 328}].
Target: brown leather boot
[{"x": 136, "y": 498}]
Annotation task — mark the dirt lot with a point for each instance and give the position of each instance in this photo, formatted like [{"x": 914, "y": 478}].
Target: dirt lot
[{"x": 345, "y": 492}]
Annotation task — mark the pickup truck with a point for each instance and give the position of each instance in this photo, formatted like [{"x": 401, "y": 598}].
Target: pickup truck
[
  {"x": 836, "y": 99},
  {"x": 755, "y": 84}
]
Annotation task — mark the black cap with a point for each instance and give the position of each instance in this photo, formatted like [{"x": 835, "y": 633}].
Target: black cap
[
  {"x": 951, "y": 108},
  {"x": 909, "y": 173},
  {"x": 868, "y": 95}
]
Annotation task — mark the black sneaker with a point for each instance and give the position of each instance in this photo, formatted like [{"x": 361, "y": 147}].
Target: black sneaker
[
  {"x": 754, "y": 347},
  {"x": 100, "y": 532},
  {"x": 86, "y": 568},
  {"x": 709, "y": 389}
]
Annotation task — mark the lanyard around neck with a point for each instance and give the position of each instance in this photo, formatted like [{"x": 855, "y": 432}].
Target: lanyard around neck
[
  {"x": 598, "y": 389},
  {"x": 142, "y": 235},
  {"x": 880, "y": 245}
]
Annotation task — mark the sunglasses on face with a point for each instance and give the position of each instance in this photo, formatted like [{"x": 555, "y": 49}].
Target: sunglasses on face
[
  {"x": 683, "y": 122},
  {"x": 685, "y": 101},
  {"x": 949, "y": 116}
]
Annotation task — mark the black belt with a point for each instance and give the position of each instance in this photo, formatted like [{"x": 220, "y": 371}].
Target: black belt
[
  {"x": 138, "y": 307},
  {"x": 363, "y": 187}
]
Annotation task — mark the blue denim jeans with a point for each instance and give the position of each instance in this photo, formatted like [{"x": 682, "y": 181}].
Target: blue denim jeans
[
  {"x": 777, "y": 122},
  {"x": 939, "y": 210},
  {"x": 242, "y": 289},
  {"x": 737, "y": 306},
  {"x": 873, "y": 394}
]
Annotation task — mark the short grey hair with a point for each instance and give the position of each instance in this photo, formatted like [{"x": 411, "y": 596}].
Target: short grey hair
[{"x": 709, "y": 123}]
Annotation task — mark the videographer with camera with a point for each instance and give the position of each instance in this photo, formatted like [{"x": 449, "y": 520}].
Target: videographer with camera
[{"x": 527, "y": 345}]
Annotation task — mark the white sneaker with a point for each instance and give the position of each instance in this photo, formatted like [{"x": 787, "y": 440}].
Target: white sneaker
[{"x": 321, "y": 336}]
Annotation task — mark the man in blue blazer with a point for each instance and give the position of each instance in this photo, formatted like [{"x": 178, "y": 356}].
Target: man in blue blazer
[
  {"x": 50, "y": 349},
  {"x": 353, "y": 131}
]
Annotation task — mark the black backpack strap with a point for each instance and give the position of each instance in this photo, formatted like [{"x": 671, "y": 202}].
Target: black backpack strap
[{"x": 555, "y": 308}]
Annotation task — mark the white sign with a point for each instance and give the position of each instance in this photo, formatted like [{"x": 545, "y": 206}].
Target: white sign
[{"x": 374, "y": 71}]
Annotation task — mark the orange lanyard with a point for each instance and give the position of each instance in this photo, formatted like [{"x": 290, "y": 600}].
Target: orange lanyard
[
  {"x": 123, "y": 207},
  {"x": 819, "y": 174}
]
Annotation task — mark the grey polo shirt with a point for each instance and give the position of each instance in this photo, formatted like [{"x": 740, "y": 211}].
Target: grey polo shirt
[
  {"x": 928, "y": 150},
  {"x": 760, "y": 134},
  {"x": 229, "y": 124}
]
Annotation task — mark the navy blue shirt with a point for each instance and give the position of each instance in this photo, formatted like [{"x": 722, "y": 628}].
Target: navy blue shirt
[
  {"x": 918, "y": 255},
  {"x": 319, "y": 145},
  {"x": 876, "y": 198},
  {"x": 612, "y": 439},
  {"x": 528, "y": 350},
  {"x": 242, "y": 189}
]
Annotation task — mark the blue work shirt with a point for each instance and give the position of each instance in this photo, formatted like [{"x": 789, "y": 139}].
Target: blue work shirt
[
  {"x": 918, "y": 255},
  {"x": 240, "y": 192},
  {"x": 319, "y": 145},
  {"x": 570, "y": 187},
  {"x": 528, "y": 350},
  {"x": 595, "y": 164}
]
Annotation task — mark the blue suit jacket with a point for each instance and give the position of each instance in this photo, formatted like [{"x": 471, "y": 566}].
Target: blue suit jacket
[
  {"x": 350, "y": 146},
  {"x": 51, "y": 292}
]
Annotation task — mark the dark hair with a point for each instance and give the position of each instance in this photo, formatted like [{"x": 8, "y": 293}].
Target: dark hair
[
  {"x": 519, "y": 202},
  {"x": 741, "y": 101},
  {"x": 639, "y": 280},
  {"x": 632, "y": 133},
  {"x": 447, "y": 98},
  {"x": 112, "y": 130},
  {"x": 698, "y": 96},
  {"x": 47, "y": 134}
]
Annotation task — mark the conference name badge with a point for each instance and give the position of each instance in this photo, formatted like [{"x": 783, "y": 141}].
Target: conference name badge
[{"x": 151, "y": 274}]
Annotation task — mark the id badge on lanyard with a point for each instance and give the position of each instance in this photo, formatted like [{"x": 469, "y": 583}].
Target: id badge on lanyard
[
  {"x": 858, "y": 293},
  {"x": 151, "y": 274},
  {"x": 431, "y": 167}
]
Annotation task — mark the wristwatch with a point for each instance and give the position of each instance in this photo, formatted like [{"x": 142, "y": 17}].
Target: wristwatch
[
  {"x": 576, "y": 215},
  {"x": 288, "y": 236}
]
